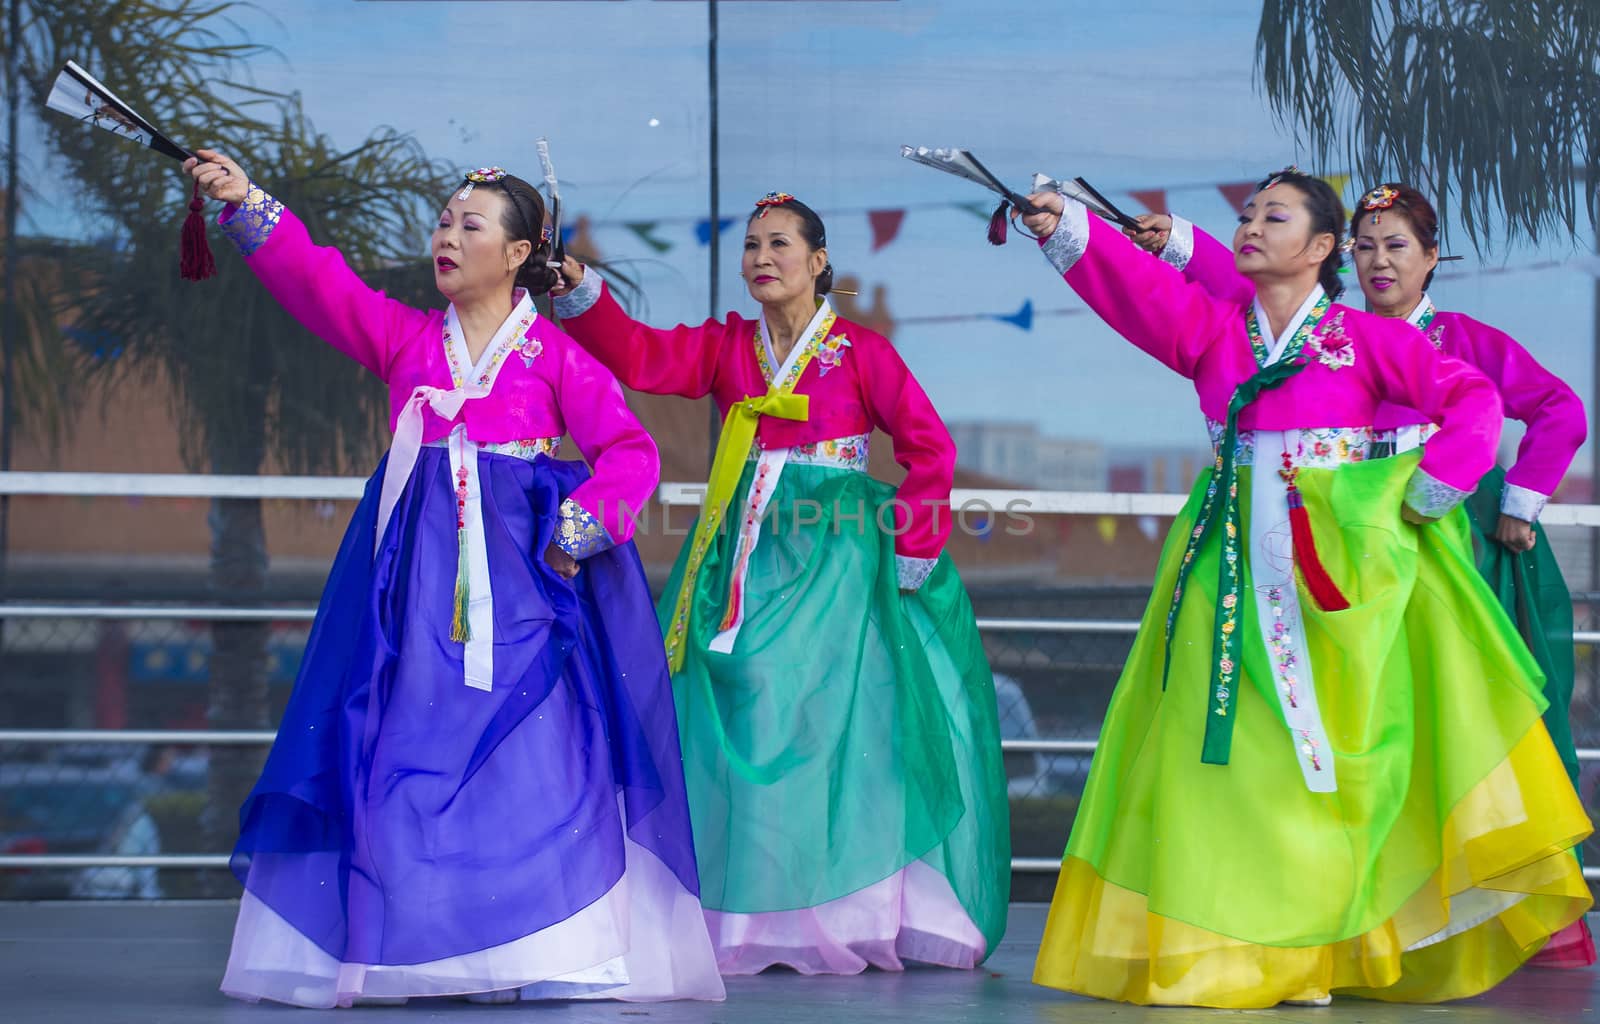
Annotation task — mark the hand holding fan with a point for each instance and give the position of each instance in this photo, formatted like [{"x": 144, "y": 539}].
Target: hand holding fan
[
  {"x": 963, "y": 164},
  {"x": 1085, "y": 193},
  {"x": 82, "y": 97}
]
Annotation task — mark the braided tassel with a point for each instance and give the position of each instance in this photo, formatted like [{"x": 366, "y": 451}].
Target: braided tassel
[
  {"x": 460, "y": 627},
  {"x": 1323, "y": 590},
  {"x": 195, "y": 262},
  {"x": 997, "y": 223}
]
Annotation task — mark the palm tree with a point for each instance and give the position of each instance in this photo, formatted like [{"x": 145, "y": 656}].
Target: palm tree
[
  {"x": 249, "y": 381},
  {"x": 1495, "y": 104}
]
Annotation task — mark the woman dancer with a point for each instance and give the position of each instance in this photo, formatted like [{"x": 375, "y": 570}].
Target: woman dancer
[
  {"x": 838, "y": 714},
  {"x": 475, "y": 789},
  {"x": 1396, "y": 251},
  {"x": 1323, "y": 769}
]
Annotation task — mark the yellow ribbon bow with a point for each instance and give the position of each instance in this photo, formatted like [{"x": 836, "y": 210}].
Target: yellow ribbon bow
[{"x": 733, "y": 449}]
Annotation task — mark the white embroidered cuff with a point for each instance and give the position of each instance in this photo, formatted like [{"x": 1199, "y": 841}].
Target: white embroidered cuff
[
  {"x": 580, "y": 534},
  {"x": 1180, "y": 243},
  {"x": 249, "y": 224},
  {"x": 1071, "y": 239},
  {"x": 1431, "y": 497},
  {"x": 913, "y": 572},
  {"x": 581, "y": 299},
  {"x": 1522, "y": 503}
]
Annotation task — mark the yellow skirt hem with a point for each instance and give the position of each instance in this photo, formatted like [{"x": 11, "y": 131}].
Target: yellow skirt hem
[{"x": 1502, "y": 887}]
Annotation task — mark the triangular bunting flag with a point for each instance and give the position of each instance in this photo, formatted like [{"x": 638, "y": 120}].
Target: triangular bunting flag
[
  {"x": 645, "y": 229},
  {"x": 702, "y": 229},
  {"x": 885, "y": 226},
  {"x": 1154, "y": 199},
  {"x": 1238, "y": 193},
  {"x": 1339, "y": 182},
  {"x": 1022, "y": 318}
]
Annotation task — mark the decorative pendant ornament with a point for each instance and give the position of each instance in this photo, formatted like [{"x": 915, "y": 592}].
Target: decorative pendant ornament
[
  {"x": 460, "y": 625},
  {"x": 1321, "y": 586}
]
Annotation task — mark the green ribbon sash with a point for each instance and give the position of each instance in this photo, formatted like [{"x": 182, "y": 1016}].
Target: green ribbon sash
[{"x": 1226, "y": 666}]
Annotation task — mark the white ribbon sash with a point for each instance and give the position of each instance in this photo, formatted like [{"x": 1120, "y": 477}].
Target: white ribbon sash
[{"x": 470, "y": 385}]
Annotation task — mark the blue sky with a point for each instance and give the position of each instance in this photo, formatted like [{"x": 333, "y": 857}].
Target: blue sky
[{"x": 816, "y": 99}]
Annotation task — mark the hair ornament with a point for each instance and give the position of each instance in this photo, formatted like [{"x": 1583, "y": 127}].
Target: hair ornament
[
  {"x": 1278, "y": 176},
  {"x": 479, "y": 176},
  {"x": 770, "y": 200},
  {"x": 1381, "y": 198}
]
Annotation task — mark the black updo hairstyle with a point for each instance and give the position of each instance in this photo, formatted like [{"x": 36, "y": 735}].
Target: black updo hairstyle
[
  {"x": 523, "y": 218},
  {"x": 811, "y": 229},
  {"x": 1327, "y": 216}
]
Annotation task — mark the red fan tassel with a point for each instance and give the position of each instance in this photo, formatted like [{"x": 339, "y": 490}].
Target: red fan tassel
[
  {"x": 997, "y": 223},
  {"x": 194, "y": 261},
  {"x": 1323, "y": 590}
]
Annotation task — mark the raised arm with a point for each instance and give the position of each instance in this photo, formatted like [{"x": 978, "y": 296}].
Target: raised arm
[
  {"x": 899, "y": 407},
  {"x": 680, "y": 360},
  {"x": 1144, "y": 300},
  {"x": 1456, "y": 396},
  {"x": 313, "y": 283},
  {"x": 1557, "y": 423}
]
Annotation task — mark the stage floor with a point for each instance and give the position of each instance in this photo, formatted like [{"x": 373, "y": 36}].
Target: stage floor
[{"x": 159, "y": 963}]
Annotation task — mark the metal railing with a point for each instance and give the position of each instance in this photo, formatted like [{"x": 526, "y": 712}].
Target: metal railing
[
  {"x": 350, "y": 488},
  {"x": 669, "y": 494},
  {"x": 263, "y": 737}
]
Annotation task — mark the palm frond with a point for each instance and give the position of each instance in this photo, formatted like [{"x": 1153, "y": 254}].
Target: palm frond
[{"x": 1492, "y": 105}]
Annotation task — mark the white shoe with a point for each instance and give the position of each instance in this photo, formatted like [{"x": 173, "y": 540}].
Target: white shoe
[{"x": 1319, "y": 1001}]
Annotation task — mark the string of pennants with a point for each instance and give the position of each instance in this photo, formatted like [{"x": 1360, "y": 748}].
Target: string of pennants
[
  {"x": 1025, "y": 316},
  {"x": 884, "y": 224}
]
